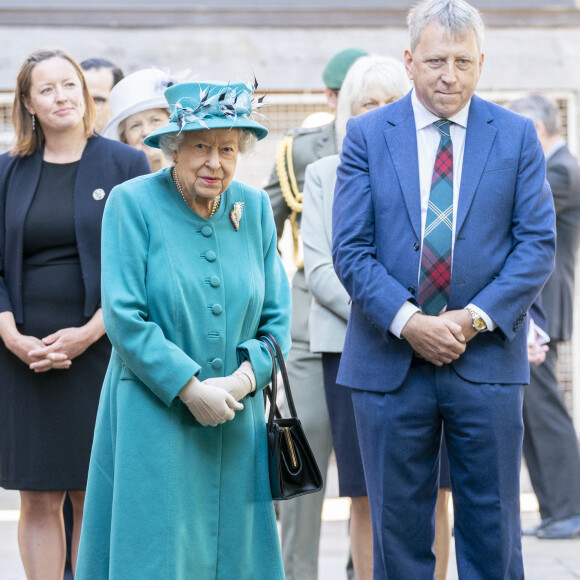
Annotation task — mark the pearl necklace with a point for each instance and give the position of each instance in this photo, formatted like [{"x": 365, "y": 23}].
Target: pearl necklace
[{"x": 216, "y": 201}]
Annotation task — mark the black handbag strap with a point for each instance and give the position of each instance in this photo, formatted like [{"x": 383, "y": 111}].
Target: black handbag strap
[
  {"x": 271, "y": 391},
  {"x": 276, "y": 354}
]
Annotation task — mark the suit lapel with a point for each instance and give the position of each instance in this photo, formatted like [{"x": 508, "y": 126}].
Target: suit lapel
[
  {"x": 89, "y": 168},
  {"x": 401, "y": 138},
  {"x": 20, "y": 194},
  {"x": 479, "y": 139}
]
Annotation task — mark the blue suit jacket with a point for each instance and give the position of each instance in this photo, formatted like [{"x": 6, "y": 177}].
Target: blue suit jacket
[
  {"x": 104, "y": 164},
  {"x": 504, "y": 246}
]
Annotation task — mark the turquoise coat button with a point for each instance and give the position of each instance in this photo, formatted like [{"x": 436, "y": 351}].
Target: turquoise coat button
[
  {"x": 210, "y": 256},
  {"x": 214, "y": 281},
  {"x": 217, "y": 363},
  {"x": 206, "y": 231},
  {"x": 216, "y": 309}
]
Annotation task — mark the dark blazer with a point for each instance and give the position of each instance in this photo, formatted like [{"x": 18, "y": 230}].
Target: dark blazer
[
  {"x": 103, "y": 165},
  {"x": 538, "y": 314},
  {"x": 563, "y": 174},
  {"x": 504, "y": 245}
]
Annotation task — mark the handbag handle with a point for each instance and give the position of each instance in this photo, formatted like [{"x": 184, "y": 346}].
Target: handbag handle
[{"x": 276, "y": 354}]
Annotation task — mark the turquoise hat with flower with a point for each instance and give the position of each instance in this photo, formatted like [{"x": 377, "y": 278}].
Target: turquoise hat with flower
[{"x": 210, "y": 105}]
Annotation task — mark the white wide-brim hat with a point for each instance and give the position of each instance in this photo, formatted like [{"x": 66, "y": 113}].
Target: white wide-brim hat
[{"x": 137, "y": 92}]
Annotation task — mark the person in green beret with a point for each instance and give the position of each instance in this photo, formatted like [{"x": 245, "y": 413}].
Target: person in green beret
[{"x": 300, "y": 518}]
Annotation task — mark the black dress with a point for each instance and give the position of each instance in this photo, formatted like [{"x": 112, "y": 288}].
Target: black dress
[{"x": 47, "y": 419}]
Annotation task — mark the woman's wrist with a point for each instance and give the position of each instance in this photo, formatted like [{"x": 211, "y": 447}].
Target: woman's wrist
[
  {"x": 94, "y": 328},
  {"x": 8, "y": 331}
]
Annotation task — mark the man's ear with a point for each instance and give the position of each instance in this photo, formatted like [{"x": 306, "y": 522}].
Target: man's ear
[{"x": 408, "y": 58}]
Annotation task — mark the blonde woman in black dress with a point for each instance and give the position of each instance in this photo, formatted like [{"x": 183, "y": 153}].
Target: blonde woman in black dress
[{"x": 53, "y": 353}]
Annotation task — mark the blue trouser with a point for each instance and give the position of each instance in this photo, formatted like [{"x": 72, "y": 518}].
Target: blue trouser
[{"x": 400, "y": 432}]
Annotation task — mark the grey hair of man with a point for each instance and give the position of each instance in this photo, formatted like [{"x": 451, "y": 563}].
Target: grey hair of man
[
  {"x": 456, "y": 17},
  {"x": 170, "y": 142},
  {"x": 538, "y": 108},
  {"x": 367, "y": 74}
]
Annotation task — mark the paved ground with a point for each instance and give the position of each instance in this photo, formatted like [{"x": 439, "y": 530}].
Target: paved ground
[{"x": 543, "y": 559}]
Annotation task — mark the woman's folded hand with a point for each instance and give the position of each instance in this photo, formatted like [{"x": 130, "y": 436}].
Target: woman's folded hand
[
  {"x": 208, "y": 404},
  {"x": 239, "y": 384}
]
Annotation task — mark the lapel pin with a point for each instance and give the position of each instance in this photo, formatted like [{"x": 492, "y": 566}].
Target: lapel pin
[
  {"x": 236, "y": 214},
  {"x": 98, "y": 194}
]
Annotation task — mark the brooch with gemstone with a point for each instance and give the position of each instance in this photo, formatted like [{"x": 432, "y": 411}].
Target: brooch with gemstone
[{"x": 236, "y": 214}]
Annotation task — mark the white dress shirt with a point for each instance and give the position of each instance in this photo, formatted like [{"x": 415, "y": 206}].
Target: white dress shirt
[{"x": 428, "y": 138}]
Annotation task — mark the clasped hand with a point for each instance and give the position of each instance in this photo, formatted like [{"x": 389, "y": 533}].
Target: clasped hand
[
  {"x": 210, "y": 405},
  {"x": 439, "y": 339},
  {"x": 214, "y": 400},
  {"x": 57, "y": 350},
  {"x": 33, "y": 352},
  {"x": 239, "y": 384},
  {"x": 537, "y": 353}
]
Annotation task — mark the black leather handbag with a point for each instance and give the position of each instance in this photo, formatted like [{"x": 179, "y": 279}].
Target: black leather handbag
[{"x": 293, "y": 468}]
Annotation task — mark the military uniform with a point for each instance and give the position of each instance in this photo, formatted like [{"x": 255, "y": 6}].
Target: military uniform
[{"x": 301, "y": 518}]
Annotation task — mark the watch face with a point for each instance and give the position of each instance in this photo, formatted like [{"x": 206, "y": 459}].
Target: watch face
[{"x": 479, "y": 324}]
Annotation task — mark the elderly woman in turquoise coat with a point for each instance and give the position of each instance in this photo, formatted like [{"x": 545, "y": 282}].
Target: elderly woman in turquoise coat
[{"x": 178, "y": 482}]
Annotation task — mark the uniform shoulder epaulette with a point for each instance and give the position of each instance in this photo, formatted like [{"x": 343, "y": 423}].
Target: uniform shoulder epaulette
[{"x": 287, "y": 177}]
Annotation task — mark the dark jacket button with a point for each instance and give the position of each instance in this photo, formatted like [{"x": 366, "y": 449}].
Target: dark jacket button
[
  {"x": 416, "y": 246},
  {"x": 411, "y": 290}
]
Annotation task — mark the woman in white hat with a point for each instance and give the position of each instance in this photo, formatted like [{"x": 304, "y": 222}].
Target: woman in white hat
[
  {"x": 139, "y": 108},
  {"x": 178, "y": 483}
]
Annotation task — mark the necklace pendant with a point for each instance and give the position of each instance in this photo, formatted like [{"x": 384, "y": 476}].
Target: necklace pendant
[{"x": 236, "y": 214}]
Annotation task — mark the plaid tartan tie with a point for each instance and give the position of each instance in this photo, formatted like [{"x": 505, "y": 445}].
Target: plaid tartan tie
[{"x": 435, "y": 275}]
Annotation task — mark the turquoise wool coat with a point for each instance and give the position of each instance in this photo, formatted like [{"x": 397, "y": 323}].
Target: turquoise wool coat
[{"x": 182, "y": 296}]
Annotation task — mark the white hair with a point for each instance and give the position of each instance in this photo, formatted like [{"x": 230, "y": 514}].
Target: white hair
[
  {"x": 122, "y": 126},
  {"x": 170, "y": 142},
  {"x": 365, "y": 75},
  {"x": 456, "y": 17}
]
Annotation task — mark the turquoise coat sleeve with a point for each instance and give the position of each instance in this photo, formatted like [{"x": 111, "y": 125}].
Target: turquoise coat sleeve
[{"x": 141, "y": 343}]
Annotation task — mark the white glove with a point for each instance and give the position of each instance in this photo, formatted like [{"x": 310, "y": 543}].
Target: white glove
[
  {"x": 210, "y": 406},
  {"x": 239, "y": 384}
]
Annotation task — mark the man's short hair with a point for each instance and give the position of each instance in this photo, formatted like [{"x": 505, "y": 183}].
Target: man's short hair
[
  {"x": 456, "y": 17},
  {"x": 538, "y": 108},
  {"x": 97, "y": 63}
]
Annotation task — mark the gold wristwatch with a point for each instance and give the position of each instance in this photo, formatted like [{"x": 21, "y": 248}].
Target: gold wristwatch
[{"x": 478, "y": 322}]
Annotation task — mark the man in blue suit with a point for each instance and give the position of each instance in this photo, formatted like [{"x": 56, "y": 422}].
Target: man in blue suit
[{"x": 443, "y": 235}]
